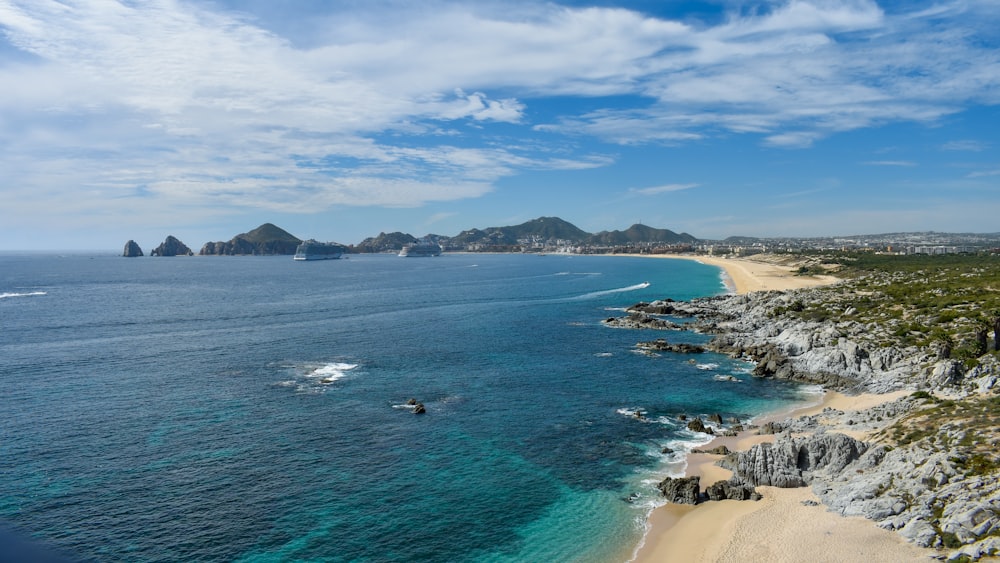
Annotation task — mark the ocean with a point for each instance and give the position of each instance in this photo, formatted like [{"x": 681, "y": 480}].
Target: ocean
[{"x": 255, "y": 408}]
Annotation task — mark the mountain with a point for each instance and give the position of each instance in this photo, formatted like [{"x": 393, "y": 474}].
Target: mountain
[
  {"x": 266, "y": 239},
  {"x": 639, "y": 234},
  {"x": 547, "y": 228},
  {"x": 537, "y": 230},
  {"x": 391, "y": 242}
]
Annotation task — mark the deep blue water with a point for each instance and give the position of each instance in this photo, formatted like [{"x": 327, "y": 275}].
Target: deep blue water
[{"x": 253, "y": 409}]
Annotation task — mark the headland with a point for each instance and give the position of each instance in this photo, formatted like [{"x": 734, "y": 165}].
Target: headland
[{"x": 896, "y": 463}]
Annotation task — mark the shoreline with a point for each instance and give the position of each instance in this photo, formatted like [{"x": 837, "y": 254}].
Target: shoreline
[
  {"x": 787, "y": 524},
  {"x": 746, "y": 275},
  {"x": 784, "y": 526}
]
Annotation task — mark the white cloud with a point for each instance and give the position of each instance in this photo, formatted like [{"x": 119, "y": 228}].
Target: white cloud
[{"x": 182, "y": 103}]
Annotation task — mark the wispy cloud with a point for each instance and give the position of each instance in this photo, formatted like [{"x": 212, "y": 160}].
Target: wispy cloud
[
  {"x": 666, "y": 188},
  {"x": 900, "y": 163},
  {"x": 969, "y": 146}
]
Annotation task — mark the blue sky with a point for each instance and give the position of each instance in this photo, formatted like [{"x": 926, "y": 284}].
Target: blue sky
[{"x": 337, "y": 120}]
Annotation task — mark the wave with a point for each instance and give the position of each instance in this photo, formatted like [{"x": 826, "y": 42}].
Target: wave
[
  {"x": 594, "y": 294},
  {"x": 331, "y": 372},
  {"x": 29, "y": 294},
  {"x": 707, "y": 367}
]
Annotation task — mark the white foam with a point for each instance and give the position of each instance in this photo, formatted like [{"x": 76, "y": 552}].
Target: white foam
[
  {"x": 637, "y": 412},
  {"x": 332, "y": 372},
  {"x": 732, "y": 378},
  {"x": 29, "y": 294},
  {"x": 604, "y": 354},
  {"x": 707, "y": 366}
]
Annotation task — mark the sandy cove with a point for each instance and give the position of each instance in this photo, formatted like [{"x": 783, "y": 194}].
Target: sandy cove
[
  {"x": 783, "y": 527},
  {"x": 751, "y": 274}
]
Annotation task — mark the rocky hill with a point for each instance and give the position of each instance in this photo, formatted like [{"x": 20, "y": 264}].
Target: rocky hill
[
  {"x": 541, "y": 229},
  {"x": 639, "y": 234},
  {"x": 266, "y": 239}
]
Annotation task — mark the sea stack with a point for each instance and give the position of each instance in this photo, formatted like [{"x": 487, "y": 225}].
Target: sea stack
[
  {"x": 132, "y": 250},
  {"x": 171, "y": 247}
]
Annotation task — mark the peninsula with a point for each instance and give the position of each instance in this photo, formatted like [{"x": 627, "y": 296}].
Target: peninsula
[{"x": 898, "y": 462}]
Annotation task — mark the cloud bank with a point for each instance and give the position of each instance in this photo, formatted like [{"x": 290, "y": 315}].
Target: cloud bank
[{"x": 109, "y": 105}]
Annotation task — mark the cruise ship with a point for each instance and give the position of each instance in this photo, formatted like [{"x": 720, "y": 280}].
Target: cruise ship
[
  {"x": 422, "y": 248},
  {"x": 314, "y": 250}
]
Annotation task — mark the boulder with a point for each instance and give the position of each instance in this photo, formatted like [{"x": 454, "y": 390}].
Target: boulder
[
  {"x": 731, "y": 490},
  {"x": 697, "y": 425},
  {"x": 683, "y": 490}
]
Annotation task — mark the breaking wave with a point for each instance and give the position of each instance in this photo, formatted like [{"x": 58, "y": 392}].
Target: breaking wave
[{"x": 29, "y": 294}]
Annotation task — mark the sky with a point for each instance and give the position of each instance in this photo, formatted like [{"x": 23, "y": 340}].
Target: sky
[{"x": 337, "y": 120}]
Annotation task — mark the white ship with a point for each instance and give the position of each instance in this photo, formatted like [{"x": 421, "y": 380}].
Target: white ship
[
  {"x": 314, "y": 250},
  {"x": 422, "y": 248}
]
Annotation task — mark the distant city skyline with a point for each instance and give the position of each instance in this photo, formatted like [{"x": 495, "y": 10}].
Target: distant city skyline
[{"x": 339, "y": 120}]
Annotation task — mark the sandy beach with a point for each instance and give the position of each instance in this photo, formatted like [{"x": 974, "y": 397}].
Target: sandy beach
[
  {"x": 783, "y": 527},
  {"x": 755, "y": 273}
]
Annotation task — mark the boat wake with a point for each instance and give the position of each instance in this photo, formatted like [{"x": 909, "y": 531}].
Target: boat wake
[{"x": 594, "y": 294}]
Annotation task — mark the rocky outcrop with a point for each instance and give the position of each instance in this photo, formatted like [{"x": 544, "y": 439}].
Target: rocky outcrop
[
  {"x": 661, "y": 345},
  {"x": 640, "y": 321},
  {"x": 132, "y": 250},
  {"x": 795, "y": 462},
  {"x": 171, "y": 247}
]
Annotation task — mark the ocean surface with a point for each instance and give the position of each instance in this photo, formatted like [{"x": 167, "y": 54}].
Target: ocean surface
[{"x": 254, "y": 408}]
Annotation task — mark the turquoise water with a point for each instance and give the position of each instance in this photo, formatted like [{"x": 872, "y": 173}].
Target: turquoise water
[{"x": 254, "y": 408}]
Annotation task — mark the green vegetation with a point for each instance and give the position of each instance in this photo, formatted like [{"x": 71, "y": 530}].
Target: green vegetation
[
  {"x": 949, "y": 304},
  {"x": 969, "y": 424}
]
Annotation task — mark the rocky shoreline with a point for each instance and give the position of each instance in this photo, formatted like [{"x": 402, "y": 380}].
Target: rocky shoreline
[{"x": 925, "y": 465}]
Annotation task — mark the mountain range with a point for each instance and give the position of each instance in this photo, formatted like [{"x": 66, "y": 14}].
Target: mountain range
[
  {"x": 269, "y": 239},
  {"x": 531, "y": 234}
]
